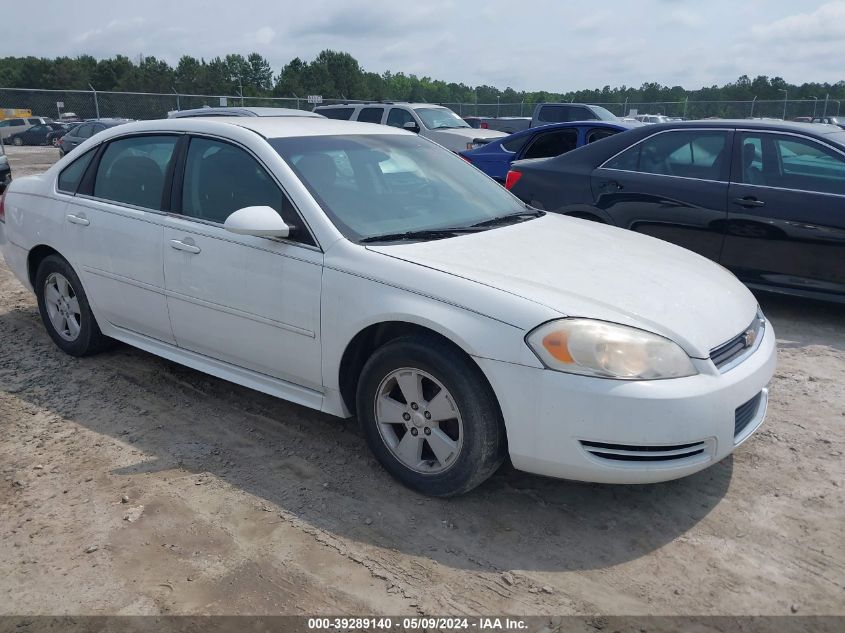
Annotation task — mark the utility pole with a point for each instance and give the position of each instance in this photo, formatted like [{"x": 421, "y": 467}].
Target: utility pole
[
  {"x": 785, "y": 93},
  {"x": 815, "y": 103},
  {"x": 96, "y": 105},
  {"x": 178, "y": 105},
  {"x": 753, "y": 101},
  {"x": 826, "y": 97}
]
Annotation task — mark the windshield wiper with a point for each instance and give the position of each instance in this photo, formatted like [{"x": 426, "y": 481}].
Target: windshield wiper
[
  {"x": 510, "y": 218},
  {"x": 423, "y": 234}
]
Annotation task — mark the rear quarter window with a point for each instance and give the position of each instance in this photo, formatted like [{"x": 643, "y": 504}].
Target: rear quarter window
[
  {"x": 342, "y": 114},
  {"x": 71, "y": 175}
]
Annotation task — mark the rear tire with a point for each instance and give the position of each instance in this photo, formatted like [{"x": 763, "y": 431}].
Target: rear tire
[
  {"x": 430, "y": 417},
  {"x": 65, "y": 310}
]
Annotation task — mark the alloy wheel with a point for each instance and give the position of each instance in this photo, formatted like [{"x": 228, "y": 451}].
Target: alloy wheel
[
  {"x": 419, "y": 421},
  {"x": 62, "y": 306}
]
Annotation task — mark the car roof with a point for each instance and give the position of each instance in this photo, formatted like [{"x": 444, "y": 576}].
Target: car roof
[
  {"x": 241, "y": 112},
  {"x": 268, "y": 127},
  {"x": 757, "y": 124},
  {"x": 376, "y": 104}
]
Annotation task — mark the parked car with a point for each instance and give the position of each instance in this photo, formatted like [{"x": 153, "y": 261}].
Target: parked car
[
  {"x": 495, "y": 158},
  {"x": 562, "y": 112},
  {"x": 839, "y": 121},
  {"x": 763, "y": 199},
  {"x": 20, "y": 124},
  {"x": 5, "y": 169},
  {"x": 506, "y": 124},
  {"x": 57, "y": 133},
  {"x": 35, "y": 135},
  {"x": 84, "y": 131},
  {"x": 361, "y": 269},
  {"x": 438, "y": 123},
  {"x": 239, "y": 111},
  {"x": 650, "y": 119}
]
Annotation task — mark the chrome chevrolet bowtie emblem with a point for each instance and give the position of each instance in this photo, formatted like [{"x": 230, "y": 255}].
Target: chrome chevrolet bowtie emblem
[{"x": 749, "y": 337}]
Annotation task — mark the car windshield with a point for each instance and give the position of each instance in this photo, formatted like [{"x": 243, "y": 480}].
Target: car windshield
[
  {"x": 440, "y": 118},
  {"x": 603, "y": 113},
  {"x": 382, "y": 184}
]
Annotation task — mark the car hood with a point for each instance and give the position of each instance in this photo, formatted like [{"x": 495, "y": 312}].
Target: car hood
[
  {"x": 456, "y": 139},
  {"x": 583, "y": 269}
]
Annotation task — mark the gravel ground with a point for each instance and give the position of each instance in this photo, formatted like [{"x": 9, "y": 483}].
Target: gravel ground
[{"x": 132, "y": 485}]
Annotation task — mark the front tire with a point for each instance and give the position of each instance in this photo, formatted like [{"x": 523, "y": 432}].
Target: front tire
[
  {"x": 65, "y": 310},
  {"x": 430, "y": 417}
]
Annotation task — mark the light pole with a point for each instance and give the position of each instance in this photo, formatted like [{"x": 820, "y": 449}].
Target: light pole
[
  {"x": 753, "y": 101},
  {"x": 826, "y": 97},
  {"x": 784, "y": 101},
  {"x": 497, "y": 106},
  {"x": 815, "y": 103}
]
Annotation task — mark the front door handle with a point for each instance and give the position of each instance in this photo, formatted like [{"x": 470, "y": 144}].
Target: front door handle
[
  {"x": 78, "y": 219},
  {"x": 182, "y": 246},
  {"x": 749, "y": 201}
]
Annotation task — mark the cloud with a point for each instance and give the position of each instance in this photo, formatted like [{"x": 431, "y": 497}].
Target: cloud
[
  {"x": 112, "y": 29},
  {"x": 263, "y": 36},
  {"x": 825, "y": 24},
  {"x": 682, "y": 17}
]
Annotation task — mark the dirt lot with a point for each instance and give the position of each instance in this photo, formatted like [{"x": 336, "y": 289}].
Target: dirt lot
[{"x": 132, "y": 485}]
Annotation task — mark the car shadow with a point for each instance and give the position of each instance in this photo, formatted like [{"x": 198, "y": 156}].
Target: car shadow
[
  {"x": 800, "y": 322},
  {"x": 316, "y": 469}
]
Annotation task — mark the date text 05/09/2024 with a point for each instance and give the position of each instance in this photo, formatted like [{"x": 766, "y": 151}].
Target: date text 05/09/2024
[{"x": 418, "y": 623}]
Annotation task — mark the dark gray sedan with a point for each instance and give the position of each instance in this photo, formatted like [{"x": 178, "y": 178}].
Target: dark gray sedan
[{"x": 764, "y": 199}]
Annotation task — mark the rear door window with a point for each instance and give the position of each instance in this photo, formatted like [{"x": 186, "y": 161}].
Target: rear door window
[
  {"x": 596, "y": 134},
  {"x": 84, "y": 131},
  {"x": 516, "y": 144},
  {"x": 342, "y": 114},
  {"x": 701, "y": 154},
  {"x": 552, "y": 144},
  {"x": 132, "y": 170},
  {"x": 371, "y": 115}
]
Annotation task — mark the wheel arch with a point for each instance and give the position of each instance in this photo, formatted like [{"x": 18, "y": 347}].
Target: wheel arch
[
  {"x": 37, "y": 255},
  {"x": 372, "y": 337}
]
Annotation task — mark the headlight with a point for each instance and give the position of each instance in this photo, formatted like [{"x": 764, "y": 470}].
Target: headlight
[{"x": 608, "y": 350}]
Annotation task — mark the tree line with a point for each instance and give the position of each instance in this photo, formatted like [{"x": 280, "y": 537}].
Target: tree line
[{"x": 336, "y": 74}]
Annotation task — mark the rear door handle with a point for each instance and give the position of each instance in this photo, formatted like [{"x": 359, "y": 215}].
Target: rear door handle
[
  {"x": 182, "y": 246},
  {"x": 610, "y": 184},
  {"x": 76, "y": 219},
  {"x": 749, "y": 201}
]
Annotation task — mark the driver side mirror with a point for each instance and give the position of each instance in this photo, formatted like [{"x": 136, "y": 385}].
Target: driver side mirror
[
  {"x": 257, "y": 221},
  {"x": 411, "y": 126}
]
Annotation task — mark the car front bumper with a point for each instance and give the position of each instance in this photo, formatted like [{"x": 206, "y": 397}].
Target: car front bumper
[{"x": 629, "y": 432}]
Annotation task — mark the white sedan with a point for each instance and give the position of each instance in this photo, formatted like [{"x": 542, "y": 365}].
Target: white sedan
[{"x": 360, "y": 269}]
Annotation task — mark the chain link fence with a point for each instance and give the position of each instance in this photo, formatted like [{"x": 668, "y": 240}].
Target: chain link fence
[{"x": 91, "y": 104}]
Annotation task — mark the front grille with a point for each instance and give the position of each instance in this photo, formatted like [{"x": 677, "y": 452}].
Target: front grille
[
  {"x": 635, "y": 453},
  {"x": 745, "y": 413},
  {"x": 742, "y": 344}
]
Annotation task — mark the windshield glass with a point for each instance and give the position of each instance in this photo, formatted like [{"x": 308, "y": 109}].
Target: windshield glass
[
  {"x": 434, "y": 118},
  {"x": 603, "y": 113},
  {"x": 370, "y": 185}
]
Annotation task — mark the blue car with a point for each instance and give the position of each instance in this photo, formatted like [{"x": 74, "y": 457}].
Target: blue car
[{"x": 543, "y": 141}]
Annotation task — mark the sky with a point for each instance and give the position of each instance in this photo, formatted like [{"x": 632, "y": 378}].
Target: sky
[{"x": 553, "y": 45}]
